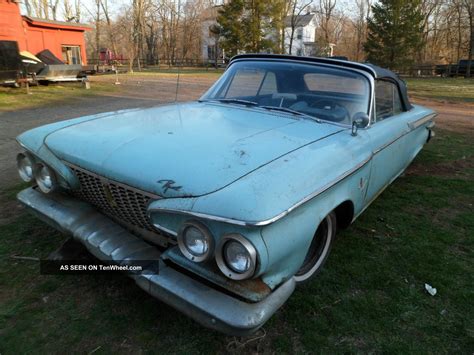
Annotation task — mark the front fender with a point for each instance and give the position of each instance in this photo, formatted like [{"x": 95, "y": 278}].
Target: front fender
[{"x": 289, "y": 238}]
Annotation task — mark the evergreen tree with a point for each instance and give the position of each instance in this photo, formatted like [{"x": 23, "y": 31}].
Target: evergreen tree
[
  {"x": 247, "y": 25},
  {"x": 230, "y": 25},
  {"x": 394, "y": 33}
]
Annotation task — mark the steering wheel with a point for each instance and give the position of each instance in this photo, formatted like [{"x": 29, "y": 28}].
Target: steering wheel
[{"x": 331, "y": 109}]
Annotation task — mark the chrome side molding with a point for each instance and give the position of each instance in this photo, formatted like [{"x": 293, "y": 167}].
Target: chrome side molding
[{"x": 415, "y": 124}]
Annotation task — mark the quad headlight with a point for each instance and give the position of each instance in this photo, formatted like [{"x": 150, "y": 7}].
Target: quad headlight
[
  {"x": 45, "y": 178},
  {"x": 195, "y": 241},
  {"x": 25, "y": 167},
  {"x": 236, "y": 257}
]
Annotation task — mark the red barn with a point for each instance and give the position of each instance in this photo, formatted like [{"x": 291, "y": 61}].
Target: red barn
[{"x": 64, "y": 39}]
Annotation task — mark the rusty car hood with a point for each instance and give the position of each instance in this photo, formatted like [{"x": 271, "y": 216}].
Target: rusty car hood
[{"x": 183, "y": 150}]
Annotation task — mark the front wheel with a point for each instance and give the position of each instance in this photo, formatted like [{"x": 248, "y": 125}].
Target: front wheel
[{"x": 319, "y": 249}]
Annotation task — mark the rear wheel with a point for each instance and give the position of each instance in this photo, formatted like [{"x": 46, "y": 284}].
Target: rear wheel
[{"x": 319, "y": 249}]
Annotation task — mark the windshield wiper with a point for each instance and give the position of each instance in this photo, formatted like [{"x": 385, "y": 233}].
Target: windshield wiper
[
  {"x": 238, "y": 101},
  {"x": 289, "y": 110}
]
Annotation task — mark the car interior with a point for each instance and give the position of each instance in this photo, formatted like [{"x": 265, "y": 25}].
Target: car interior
[{"x": 336, "y": 96}]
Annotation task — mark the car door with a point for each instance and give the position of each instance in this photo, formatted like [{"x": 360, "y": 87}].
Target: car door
[{"x": 387, "y": 137}]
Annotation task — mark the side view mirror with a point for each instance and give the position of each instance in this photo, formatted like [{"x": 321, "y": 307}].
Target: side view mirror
[{"x": 360, "y": 120}]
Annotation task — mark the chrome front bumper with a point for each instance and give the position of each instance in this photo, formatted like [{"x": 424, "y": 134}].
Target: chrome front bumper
[{"x": 108, "y": 241}]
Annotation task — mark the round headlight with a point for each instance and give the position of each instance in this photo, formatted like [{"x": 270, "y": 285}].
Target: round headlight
[
  {"x": 236, "y": 257},
  {"x": 45, "y": 178},
  {"x": 25, "y": 167},
  {"x": 195, "y": 241}
]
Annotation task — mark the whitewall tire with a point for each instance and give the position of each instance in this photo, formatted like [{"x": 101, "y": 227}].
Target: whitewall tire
[{"x": 319, "y": 249}]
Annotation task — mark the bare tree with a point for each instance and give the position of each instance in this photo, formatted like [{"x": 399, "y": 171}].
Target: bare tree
[
  {"x": 360, "y": 26},
  {"x": 326, "y": 12},
  {"x": 296, "y": 9},
  {"x": 189, "y": 26},
  {"x": 45, "y": 8},
  {"x": 169, "y": 13},
  {"x": 37, "y": 8},
  {"x": 139, "y": 8},
  {"x": 105, "y": 9},
  {"x": 29, "y": 10},
  {"x": 428, "y": 9},
  {"x": 78, "y": 10},
  {"x": 97, "y": 28},
  {"x": 53, "y": 5},
  {"x": 68, "y": 11},
  {"x": 124, "y": 27},
  {"x": 151, "y": 37},
  {"x": 469, "y": 6}
]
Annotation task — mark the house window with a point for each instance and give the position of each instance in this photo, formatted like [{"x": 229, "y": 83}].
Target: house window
[
  {"x": 299, "y": 52},
  {"x": 387, "y": 100},
  {"x": 211, "y": 52},
  {"x": 71, "y": 54},
  {"x": 299, "y": 33}
]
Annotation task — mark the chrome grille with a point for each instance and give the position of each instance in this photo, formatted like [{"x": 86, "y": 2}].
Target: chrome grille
[{"x": 117, "y": 200}]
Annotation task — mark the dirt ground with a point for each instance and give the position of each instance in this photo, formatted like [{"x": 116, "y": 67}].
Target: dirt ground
[
  {"x": 145, "y": 90},
  {"x": 452, "y": 116}
]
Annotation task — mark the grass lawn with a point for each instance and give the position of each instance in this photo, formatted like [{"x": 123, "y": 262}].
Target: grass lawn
[
  {"x": 449, "y": 89},
  {"x": 17, "y": 98},
  {"x": 369, "y": 298}
]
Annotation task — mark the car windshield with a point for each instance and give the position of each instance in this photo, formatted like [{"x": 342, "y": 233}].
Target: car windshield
[{"x": 315, "y": 91}]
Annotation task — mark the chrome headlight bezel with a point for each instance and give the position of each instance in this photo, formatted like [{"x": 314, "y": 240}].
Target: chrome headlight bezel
[
  {"x": 43, "y": 186},
  {"x": 222, "y": 263},
  {"x": 207, "y": 236},
  {"x": 24, "y": 175}
]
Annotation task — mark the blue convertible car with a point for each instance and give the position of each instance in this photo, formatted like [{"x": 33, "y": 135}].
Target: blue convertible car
[{"x": 237, "y": 196}]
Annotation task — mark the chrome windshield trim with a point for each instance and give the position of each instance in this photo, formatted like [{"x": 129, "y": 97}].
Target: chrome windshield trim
[
  {"x": 269, "y": 220},
  {"x": 365, "y": 74}
]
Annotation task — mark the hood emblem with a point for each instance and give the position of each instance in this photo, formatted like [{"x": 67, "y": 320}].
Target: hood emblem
[{"x": 169, "y": 184}]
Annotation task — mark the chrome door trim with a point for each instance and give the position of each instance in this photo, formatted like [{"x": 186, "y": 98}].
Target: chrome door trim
[
  {"x": 417, "y": 123},
  {"x": 412, "y": 125}
]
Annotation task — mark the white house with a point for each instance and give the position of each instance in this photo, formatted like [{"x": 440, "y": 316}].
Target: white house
[
  {"x": 303, "y": 44},
  {"x": 304, "y": 34},
  {"x": 209, "y": 40}
]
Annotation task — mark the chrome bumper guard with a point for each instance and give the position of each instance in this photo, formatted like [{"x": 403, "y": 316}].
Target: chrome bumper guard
[{"x": 108, "y": 241}]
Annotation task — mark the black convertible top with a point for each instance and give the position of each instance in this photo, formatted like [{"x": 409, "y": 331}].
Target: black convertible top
[
  {"x": 374, "y": 70},
  {"x": 385, "y": 74}
]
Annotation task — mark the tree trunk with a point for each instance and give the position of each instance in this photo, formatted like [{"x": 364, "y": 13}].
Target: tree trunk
[
  {"x": 97, "y": 30},
  {"x": 105, "y": 9},
  {"x": 470, "y": 9}
]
